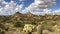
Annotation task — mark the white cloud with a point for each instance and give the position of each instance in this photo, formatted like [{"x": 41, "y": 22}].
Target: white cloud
[
  {"x": 9, "y": 8},
  {"x": 21, "y": 0},
  {"x": 37, "y": 8},
  {"x": 39, "y": 5},
  {"x": 56, "y": 12},
  {"x": 48, "y": 11}
]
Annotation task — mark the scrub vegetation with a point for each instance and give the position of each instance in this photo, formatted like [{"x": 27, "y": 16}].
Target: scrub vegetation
[{"x": 30, "y": 24}]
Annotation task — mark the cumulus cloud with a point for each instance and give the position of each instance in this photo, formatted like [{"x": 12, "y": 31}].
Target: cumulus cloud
[
  {"x": 9, "y": 8},
  {"x": 39, "y": 6},
  {"x": 48, "y": 11}
]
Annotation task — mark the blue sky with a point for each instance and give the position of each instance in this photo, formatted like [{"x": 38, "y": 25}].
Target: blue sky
[
  {"x": 57, "y": 6},
  {"x": 28, "y": 2},
  {"x": 23, "y": 6}
]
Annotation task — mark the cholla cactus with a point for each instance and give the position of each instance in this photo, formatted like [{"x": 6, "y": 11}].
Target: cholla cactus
[{"x": 28, "y": 28}]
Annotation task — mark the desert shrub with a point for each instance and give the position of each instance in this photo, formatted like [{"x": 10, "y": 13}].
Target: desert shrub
[
  {"x": 18, "y": 24},
  {"x": 2, "y": 26},
  {"x": 2, "y": 32}
]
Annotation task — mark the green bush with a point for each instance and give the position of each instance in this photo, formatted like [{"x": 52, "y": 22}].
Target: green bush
[
  {"x": 18, "y": 24},
  {"x": 4, "y": 27}
]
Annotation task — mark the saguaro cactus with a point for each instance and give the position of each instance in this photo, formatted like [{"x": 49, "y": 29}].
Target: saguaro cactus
[{"x": 39, "y": 29}]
